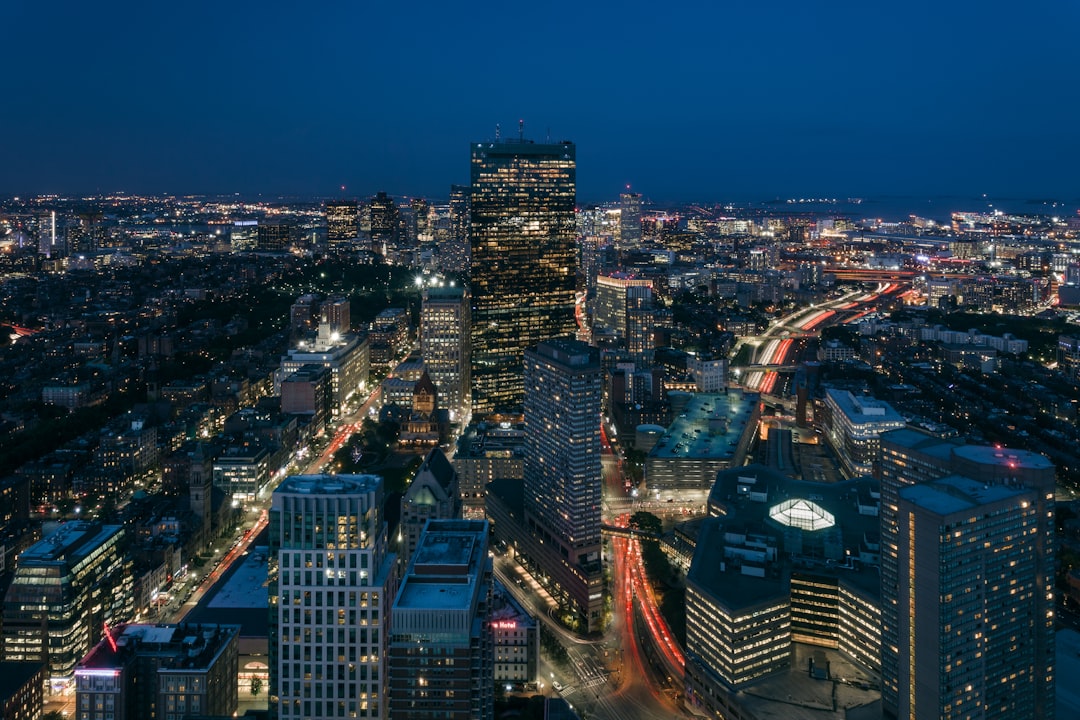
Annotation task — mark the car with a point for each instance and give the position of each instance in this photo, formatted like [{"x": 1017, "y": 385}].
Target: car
[{"x": 557, "y": 685}]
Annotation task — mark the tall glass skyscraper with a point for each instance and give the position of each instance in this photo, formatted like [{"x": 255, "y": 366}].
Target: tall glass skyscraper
[{"x": 524, "y": 268}]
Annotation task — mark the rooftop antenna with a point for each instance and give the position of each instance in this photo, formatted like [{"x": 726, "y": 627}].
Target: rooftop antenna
[
  {"x": 548, "y": 141},
  {"x": 497, "y": 132},
  {"x": 521, "y": 131}
]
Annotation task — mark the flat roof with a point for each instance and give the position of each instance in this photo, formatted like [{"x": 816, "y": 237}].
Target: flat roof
[
  {"x": 435, "y": 593},
  {"x": 864, "y": 408},
  {"x": 1011, "y": 457},
  {"x": 710, "y": 426},
  {"x": 445, "y": 549},
  {"x": 956, "y": 493},
  {"x": 68, "y": 543},
  {"x": 326, "y": 484}
]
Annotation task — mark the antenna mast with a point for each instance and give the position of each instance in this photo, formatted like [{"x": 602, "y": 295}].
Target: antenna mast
[{"x": 521, "y": 130}]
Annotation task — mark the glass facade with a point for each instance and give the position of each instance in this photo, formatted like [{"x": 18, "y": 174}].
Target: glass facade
[{"x": 524, "y": 268}]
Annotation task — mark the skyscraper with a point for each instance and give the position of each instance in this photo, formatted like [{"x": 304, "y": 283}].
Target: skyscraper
[
  {"x": 454, "y": 251},
  {"x": 342, "y": 222},
  {"x": 630, "y": 220},
  {"x": 910, "y": 458},
  {"x": 972, "y": 603},
  {"x": 562, "y": 469},
  {"x": 523, "y": 260},
  {"x": 445, "y": 342},
  {"x": 384, "y": 224},
  {"x": 332, "y": 581}
]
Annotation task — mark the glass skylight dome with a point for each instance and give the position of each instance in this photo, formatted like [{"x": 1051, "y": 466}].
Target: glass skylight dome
[{"x": 802, "y": 514}]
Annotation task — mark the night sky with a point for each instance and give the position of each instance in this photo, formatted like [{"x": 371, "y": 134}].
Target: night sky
[{"x": 685, "y": 101}]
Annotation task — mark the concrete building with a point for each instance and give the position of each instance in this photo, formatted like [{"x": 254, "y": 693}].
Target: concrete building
[
  {"x": 562, "y": 471},
  {"x": 852, "y": 425},
  {"x": 911, "y": 458},
  {"x": 440, "y": 658},
  {"x": 331, "y": 585},
  {"x": 163, "y": 671},
  {"x": 309, "y": 391},
  {"x": 971, "y": 615},
  {"x": 711, "y": 432},
  {"x": 515, "y": 640},
  {"x": 487, "y": 452},
  {"x": 709, "y": 373},
  {"x": 346, "y": 356},
  {"x": 66, "y": 588},
  {"x": 782, "y": 582},
  {"x": 433, "y": 494}
]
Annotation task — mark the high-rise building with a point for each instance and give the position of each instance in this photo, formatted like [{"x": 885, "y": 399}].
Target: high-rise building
[
  {"x": 454, "y": 252},
  {"x": 972, "y": 604},
  {"x": 910, "y": 458},
  {"x": 433, "y": 494},
  {"x": 562, "y": 469},
  {"x": 273, "y": 236},
  {"x": 440, "y": 655},
  {"x": 445, "y": 342},
  {"x": 523, "y": 261},
  {"x": 616, "y": 296},
  {"x": 147, "y": 671},
  {"x": 66, "y": 588},
  {"x": 384, "y": 224},
  {"x": 332, "y": 581},
  {"x": 342, "y": 222},
  {"x": 630, "y": 220}
]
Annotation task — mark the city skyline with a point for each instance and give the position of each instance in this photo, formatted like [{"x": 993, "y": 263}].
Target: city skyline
[{"x": 706, "y": 104}]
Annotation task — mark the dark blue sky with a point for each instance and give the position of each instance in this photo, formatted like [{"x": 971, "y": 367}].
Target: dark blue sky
[{"x": 692, "y": 101}]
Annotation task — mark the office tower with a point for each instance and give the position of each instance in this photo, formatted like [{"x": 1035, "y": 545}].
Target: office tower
[
  {"x": 244, "y": 234},
  {"x": 911, "y": 458},
  {"x": 66, "y": 588},
  {"x": 47, "y": 243},
  {"x": 342, "y": 222},
  {"x": 630, "y": 220},
  {"x": 562, "y": 469},
  {"x": 273, "y": 236},
  {"x": 440, "y": 655},
  {"x": 617, "y": 295},
  {"x": 969, "y": 604},
  {"x": 445, "y": 343},
  {"x": 384, "y": 224},
  {"x": 454, "y": 252},
  {"x": 433, "y": 494},
  {"x": 147, "y": 671},
  {"x": 523, "y": 261},
  {"x": 331, "y": 585}
]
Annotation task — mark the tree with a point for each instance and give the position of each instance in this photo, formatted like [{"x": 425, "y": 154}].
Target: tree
[{"x": 256, "y": 685}]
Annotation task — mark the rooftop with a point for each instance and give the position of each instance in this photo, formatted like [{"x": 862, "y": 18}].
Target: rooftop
[
  {"x": 68, "y": 543},
  {"x": 329, "y": 484},
  {"x": 710, "y": 426},
  {"x": 956, "y": 493},
  {"x": 1011, "y": 457},
  {"x": 863, "y": 408}
]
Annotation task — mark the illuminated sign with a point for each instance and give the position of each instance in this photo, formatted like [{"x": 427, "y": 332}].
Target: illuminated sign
[{"x": 505, "y": 625}]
